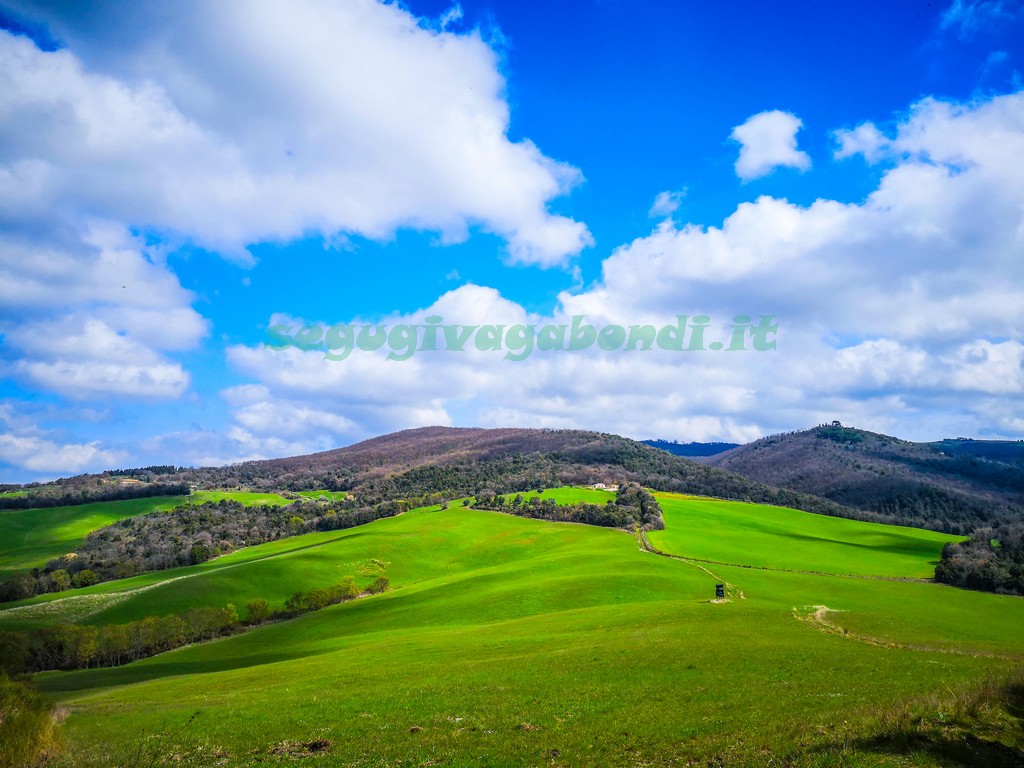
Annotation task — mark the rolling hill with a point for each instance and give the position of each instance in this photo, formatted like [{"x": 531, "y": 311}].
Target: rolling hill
[
  {"x": 462, "y": 461},
  {"x": 510, "y": 641},
  {"x": 954, "y": 485}
]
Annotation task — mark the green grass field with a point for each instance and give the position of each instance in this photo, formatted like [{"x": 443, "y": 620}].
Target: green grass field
[
  {"x": 328, "y": 495},
  {"x": 509, "y": 642},
  {"x": 244, "y": 497},
  {"x": 775, "y": 537},
  {"x": 572, "y": 495},
  {"x": 31, "y": 537}
]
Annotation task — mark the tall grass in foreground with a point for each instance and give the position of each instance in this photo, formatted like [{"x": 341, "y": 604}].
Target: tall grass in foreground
[
  {"x": 978, "y": 725},
  {"x": 28, "y": 730}
]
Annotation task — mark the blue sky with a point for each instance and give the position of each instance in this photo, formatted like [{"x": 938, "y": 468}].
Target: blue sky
[{"x": 854, "y": 171}]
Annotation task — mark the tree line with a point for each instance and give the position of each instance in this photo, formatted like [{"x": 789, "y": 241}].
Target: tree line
[
  {"x": 70, "y": 646},
  {"x": 992, "y": 560},
  {"x": 67, "y": 495}
]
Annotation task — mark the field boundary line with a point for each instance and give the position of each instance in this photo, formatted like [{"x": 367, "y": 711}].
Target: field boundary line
[{"x": 654, "y": 550}]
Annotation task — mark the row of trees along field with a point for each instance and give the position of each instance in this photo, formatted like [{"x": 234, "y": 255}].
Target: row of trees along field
[
  {"x": 72, "y": 646},
  {"x": 62, "y": 494}
]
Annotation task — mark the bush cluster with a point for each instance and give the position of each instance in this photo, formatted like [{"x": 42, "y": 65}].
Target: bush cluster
[
  {"x": 992, "y": 560},
  {"x": 633, "y": 506}
]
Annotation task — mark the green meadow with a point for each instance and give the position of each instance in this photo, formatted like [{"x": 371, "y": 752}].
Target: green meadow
[
  {"x": 572, "y": 495},
  {"x": 248, "y": 498},
  {"x": 323, "y": 495},
  {"x": 763, "y": 536},
  {"x": 512, "y": 642},
  {"x": 31, "y": 537}
]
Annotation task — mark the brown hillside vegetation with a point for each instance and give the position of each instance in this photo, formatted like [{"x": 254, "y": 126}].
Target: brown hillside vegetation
[{"x": 925, "y": 484}]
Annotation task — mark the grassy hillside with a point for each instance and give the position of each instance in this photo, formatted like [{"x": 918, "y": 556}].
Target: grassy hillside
[
  {"x": 775, "y": 537},
  {"x": 31, "y": 537},
  {"x": 242, "y": 497},
  {"x": 509, "y": 641}
]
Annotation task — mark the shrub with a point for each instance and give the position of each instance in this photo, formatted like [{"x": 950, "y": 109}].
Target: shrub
[
  {"x": 257, "y": 610},
  {"x": 14, "y": 653},
  {"x": 346, "y": 590},
  {"x": 85, "y": 578},
  {"x": 316, "y": 599}
]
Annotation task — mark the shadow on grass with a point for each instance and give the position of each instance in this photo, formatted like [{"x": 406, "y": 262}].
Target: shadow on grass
[
  {"x": 106, "y": 677},
  {"x": 979, "y": 728},
  {"x": 966, "y": 750}
]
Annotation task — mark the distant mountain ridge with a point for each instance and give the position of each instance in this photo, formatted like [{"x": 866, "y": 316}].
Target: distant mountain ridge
[
  {"x": 956, "y": 485},
  {"x": 691, "y": 449}
]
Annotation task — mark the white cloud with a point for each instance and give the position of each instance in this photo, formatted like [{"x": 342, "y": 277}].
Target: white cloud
[
  {"x": 44, "y": 456},
  {"x": 666, "y": 203},
  {"x": 93, "y": 319},
  {"x": 990, "y": 368},
  {"x": 904, "y": 313},
  {"x": 226, "y": 125},
  {"x": 768, "y": 141},
  {"x": 865, "y": 140},
  {"x": 378, "y": 123},
  {"x": 27, "y": 448}
]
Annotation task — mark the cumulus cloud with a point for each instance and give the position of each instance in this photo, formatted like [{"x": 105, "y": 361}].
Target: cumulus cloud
[
  {"x": 768, "y": 141},
  {"x": 902, "y": 313},
  {"x": 864, "y": 140},
  {"x": 93, "y": 318},
  {"x": 29, "y": 448},
  {"x": 45, "y": 456},
  {"x": 222, "y": 126},
  {"x": 255, "y": 122}
]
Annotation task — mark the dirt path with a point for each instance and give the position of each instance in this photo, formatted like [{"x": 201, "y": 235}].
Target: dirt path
[
  {"x": 730, "y": 590},
  {"x": 818, "y": 617}
]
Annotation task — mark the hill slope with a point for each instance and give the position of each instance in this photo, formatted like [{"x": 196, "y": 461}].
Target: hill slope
[
  {"x": 452, "y": 462},
  {"x": 516, "y": 642},
  {"x": 461, "y": 462},
  {"x": 938, "y": 485}
]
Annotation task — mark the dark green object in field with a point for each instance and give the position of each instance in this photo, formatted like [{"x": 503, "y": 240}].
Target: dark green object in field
[{"x": 719, "y": 591}]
